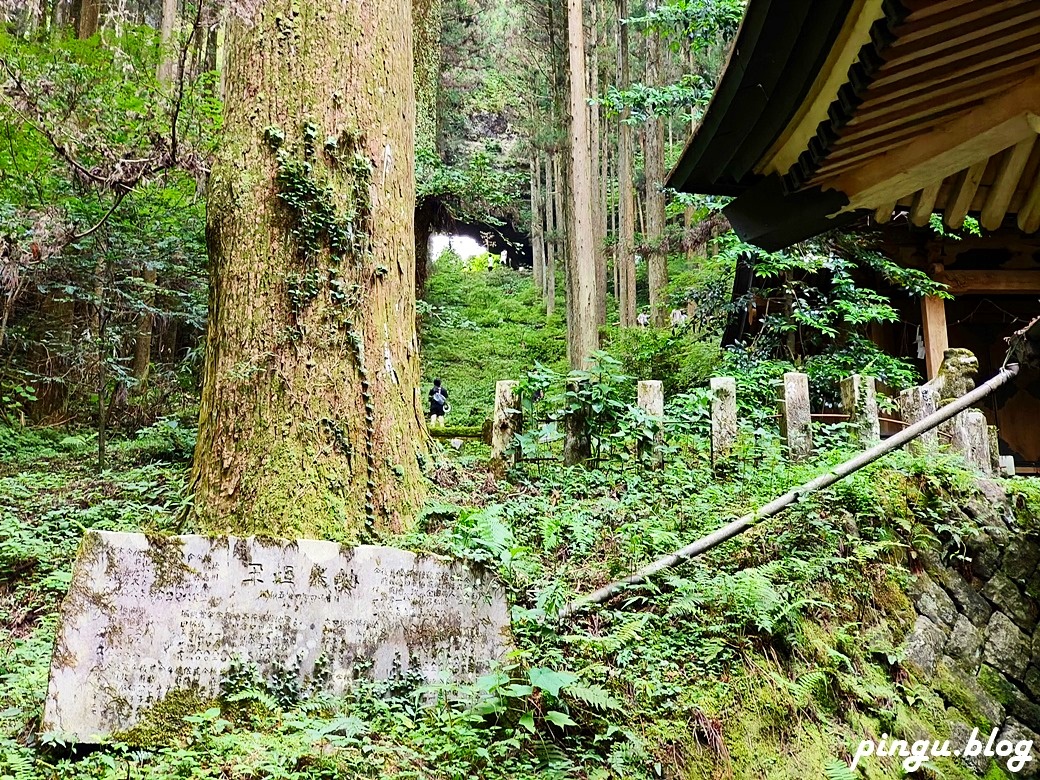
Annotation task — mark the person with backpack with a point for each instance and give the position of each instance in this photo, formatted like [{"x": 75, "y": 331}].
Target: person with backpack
[{"x": 439, "y": 405}]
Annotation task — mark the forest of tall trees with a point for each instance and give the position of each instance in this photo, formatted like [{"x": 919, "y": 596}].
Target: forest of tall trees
[
  {"x": 138, "y": 115},
  {"x": 405, "y": 280}
]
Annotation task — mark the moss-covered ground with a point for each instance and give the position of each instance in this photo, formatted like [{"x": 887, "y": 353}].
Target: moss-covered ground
[{"x": 770, "y": 657}]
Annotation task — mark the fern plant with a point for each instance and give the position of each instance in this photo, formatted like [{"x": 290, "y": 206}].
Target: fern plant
[{"x": 835, "y": 769}]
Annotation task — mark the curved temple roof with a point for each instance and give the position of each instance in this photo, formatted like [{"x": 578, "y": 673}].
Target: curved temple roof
[{"x": 829, "y": 109}]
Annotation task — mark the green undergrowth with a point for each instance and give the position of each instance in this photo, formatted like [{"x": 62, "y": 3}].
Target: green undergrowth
[
  {"x": 771, "y": 656},
  {"x": 478, "y": 327}
]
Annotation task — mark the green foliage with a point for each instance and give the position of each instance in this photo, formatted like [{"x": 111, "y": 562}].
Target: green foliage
[
  {"x": 816, "y": 317},
  {"x": 322, "y": 220},
  {"x": 648, "y": 102},
  {"x": 838, "y": 770},
  {"x": 602, "y": 396},
  {"x": 480, "y": 189},
  {"x": 480, "y": 326},
  {"x": 971, "y": 226},
  {"x": 101, "y": 169},
  {"x": 677, "y": 359}
]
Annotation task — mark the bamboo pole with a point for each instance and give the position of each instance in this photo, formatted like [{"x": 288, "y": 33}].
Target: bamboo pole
[{"x": 841, "y": 471}]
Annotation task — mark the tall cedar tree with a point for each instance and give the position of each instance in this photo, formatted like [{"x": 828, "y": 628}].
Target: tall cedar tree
[
  {"x": 310, "y": 421},
  {"x": 582, "y": 307},
  {"x": 625, "y": 251},
  {"x": 653, "y": 156}
]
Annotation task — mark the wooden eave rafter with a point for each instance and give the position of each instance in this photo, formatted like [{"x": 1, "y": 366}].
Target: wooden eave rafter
[
  {"x": 919, "y": 105},
  {"x": 948, "y": 122}
]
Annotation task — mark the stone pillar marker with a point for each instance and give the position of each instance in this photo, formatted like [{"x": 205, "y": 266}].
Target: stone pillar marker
[
  {"x": 506, "y": 421},
  {"x": 976, "y": 446},
  {"x": 795, "y": 415},
  {"x": 859, "y": 400},
  {"x": 916, "y": 403},
  {"x": 723, "y": 418},
  {"x": 650, "y": 398},
  {"x": 1007, "y": 465},
  {"x": 994, "y": 450}
]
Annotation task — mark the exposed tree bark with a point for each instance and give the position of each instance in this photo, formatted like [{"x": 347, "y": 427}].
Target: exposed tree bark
[
  {"x": 310, "y": 422},
  {"x": 167, "y": 51},
  {"x": 653, "y": 162},
  {"x": 537, "y": 233},
  {"x": 582, "y": 293},
  {"x": 88, "y": 16},
  {"x": 57, "y": 320},
  {"x": 598, "y": 206},
  {"x": 424, "y": 218},
  {"x": 143, "y": 338},
  {"x": 625, "y": 252},
  {"x": 209, "y": 61},
  {"x": 603, "y": 199},
  {"x": 582, "y": 320},
  {"x": 552, "y": 206}
]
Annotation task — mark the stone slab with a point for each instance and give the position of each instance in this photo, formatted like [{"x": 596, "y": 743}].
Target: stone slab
[{"x": 148, "y": 616}]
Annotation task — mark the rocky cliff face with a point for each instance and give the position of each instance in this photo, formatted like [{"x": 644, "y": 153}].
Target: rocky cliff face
[{"x": 976, "y": 634}]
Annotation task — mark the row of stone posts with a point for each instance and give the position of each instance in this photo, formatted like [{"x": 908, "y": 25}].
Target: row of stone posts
[
  {"x": 507, "y": 419},
  {"x": 968, "y": 432}
]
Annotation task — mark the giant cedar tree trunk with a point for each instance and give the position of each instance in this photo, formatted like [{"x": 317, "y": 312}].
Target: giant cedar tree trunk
[
  {"x": 599, "y": 232},
  {"x": 87, "y": 14},
  {"x": 551, "y": 208},
  {"x": 143, "y": 338},
  {"x": 310, "y": 423}
]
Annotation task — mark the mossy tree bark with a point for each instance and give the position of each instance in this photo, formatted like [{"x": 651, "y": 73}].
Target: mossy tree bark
[
  {"x": 310, "y": 422},
  {"x": 426, "y": 56}
]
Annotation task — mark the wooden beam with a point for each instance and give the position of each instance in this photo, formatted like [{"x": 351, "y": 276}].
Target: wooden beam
[
  {"x": 1005, "y": 42},
  {"x": 843, "y": 157},
  {"x": 923, "y": 9},
  {"x": 959, "y": 203},
  {"x": 924, "y": 202},
  {"x": 989, "y": 31},
  {"x": 936, "y": 339},
  {"x": 876, "y": 106},
  {"x": 997, "y": 281},
  {"x": 921, "y": 107},
  {"x": 1022, "y": 59},
  {"x": 1029, "y": 213},
  {"x": 923, "y": 28},
  {"x": 1008, "y": 175},
  {"x": 883, "y": 213},
  {"x": 948, "y": 148}
]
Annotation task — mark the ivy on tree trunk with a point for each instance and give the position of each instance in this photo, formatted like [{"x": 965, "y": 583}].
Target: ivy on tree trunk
[{"x": 310, "y": 421}]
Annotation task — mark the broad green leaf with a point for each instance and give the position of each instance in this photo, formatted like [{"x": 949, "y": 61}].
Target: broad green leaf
[
  {"x": 561, "y": 719},
  {"x": 551, "y": 680}
]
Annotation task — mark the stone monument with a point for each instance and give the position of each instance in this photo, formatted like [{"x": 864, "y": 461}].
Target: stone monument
[{"x": 148, "y": 618}]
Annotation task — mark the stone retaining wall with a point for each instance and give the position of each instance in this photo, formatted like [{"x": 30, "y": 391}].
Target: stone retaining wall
[{"x": 976, "y": 633}]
